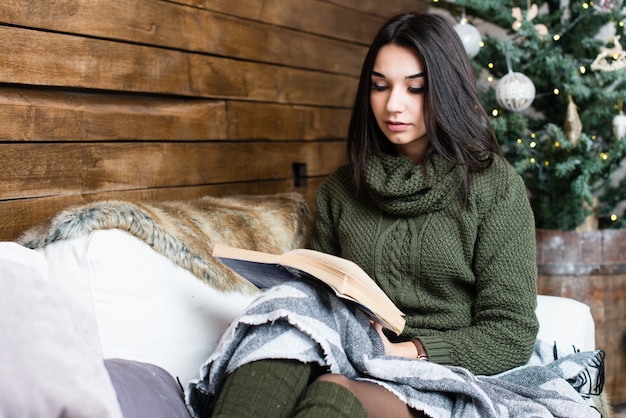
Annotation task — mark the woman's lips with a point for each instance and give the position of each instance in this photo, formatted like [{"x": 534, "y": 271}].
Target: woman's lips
[{"x": 396, "y": 126}]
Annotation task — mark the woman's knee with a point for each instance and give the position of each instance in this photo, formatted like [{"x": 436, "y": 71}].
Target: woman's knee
[
  {"x": 377, "y": 400},
  {"x": 336, "y": 378}
]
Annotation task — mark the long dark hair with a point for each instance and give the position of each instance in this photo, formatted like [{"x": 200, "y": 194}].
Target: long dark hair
[{"x": 457, "y": 126}]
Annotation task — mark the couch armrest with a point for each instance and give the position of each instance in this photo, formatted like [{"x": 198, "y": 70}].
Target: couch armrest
[{"x": 565, "y": 321}]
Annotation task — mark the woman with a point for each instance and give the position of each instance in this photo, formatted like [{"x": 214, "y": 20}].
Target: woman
[{"x": 429, "y": 208}]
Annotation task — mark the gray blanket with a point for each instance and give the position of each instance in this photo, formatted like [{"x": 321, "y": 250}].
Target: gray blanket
[{"x": 302, "y": 322}]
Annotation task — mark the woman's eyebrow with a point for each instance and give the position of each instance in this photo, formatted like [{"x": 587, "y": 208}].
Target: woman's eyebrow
[{"x": 408, "y": 77}]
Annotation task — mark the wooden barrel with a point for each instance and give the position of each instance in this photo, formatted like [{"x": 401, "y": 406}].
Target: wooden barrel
[{"x": 590, "y": 267}]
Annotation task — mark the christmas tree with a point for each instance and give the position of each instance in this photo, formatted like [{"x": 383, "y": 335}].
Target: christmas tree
[{"x": 552, "y": 75}]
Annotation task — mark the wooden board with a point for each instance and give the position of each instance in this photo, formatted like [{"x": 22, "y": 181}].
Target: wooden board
[
  {"x": 180, "y": 27},
  {"x": 72, "y": 61},
  {"x": 392, "y": 7},
  {"x": 46, "y": 169},
  {"x": 269, "y": 121},
  {"x": 47, "y": 115},
  {"x": 314, "y": 16}
]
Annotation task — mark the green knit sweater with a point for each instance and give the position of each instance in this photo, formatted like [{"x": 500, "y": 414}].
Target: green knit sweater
[{"x": 465, "y": 278}]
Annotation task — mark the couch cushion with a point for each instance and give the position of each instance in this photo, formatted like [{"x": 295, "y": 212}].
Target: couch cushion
[
  {"x": 145, "y": 390},
  {"x": 50, "y": 359},
  {"x": 147, "y": 308}
]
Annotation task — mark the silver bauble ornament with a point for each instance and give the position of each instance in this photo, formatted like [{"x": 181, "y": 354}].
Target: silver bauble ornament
[
  {"x": 515, "y": 92},
  {"x": 470, "y": 37},
  {"x": 619, "y": 126},
  {"x": 606, "y": 5}
]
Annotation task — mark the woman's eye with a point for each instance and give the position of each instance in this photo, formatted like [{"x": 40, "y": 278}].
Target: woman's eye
[
  {"x": 417, "y": 90},
  {"x": 379, "y": 87}
]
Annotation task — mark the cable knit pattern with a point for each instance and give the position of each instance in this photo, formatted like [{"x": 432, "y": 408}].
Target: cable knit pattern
[{"x": 465, "y": 278}]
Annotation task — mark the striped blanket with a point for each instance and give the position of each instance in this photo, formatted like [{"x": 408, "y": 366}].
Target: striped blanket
[{"x": 300, "y": 321}]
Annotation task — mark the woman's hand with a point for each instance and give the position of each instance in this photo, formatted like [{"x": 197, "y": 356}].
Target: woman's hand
[{"x": 404, "y": 349}]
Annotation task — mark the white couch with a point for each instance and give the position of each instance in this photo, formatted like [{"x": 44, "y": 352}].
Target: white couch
[
  {"x": 567, "y": 322},
  {"x": 151, "y": 310},
  {"x": 145, "y": 308}
]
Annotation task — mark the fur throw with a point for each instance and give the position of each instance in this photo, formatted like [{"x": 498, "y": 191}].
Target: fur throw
[{"x": 186, "y": 231}]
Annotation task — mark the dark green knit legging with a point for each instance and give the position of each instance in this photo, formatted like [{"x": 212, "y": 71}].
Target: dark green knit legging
[
  {"x": 286, "y": 389},
  {"x": 283, "y": 389}
]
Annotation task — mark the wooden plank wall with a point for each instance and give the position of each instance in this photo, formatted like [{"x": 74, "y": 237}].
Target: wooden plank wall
[{"x": 173, "y": 99}]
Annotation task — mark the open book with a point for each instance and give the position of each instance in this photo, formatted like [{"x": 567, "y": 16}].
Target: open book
[{"x": 344, "y": 277}]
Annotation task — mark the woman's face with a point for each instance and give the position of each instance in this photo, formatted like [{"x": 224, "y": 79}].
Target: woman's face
[{"x": 397, "y": 99}]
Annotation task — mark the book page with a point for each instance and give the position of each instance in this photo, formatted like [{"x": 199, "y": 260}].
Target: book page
[
  {"x": 340, "y": 264},
  {"x": 339, "y": 267}
]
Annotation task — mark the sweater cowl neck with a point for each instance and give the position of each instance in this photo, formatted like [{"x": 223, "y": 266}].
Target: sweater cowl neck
[{"x": 400, "y": 187}]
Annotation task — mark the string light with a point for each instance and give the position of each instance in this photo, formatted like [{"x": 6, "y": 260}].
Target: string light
[
  {"x": 490, "y": 65},
  {"x": 557, "y": 144},
  {"x": 613, "y": 217},
  {"x": 585, "y": 6},
  {"x": 532, "y": 144},
  {"x": 556, "y": 37},
  {"x": 532, "y": 160},
  {"x": 546, "y": 163},
  {"x": 519, "y": 140},
  {"x": 494, "y": 112},
  {"x": 582, "y": 69},
  {"x": 604, "y": 156},
  {"x": 556, "y": 91}
]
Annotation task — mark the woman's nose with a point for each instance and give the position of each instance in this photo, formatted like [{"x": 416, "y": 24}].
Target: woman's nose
[{"x": 395, "y": 101}]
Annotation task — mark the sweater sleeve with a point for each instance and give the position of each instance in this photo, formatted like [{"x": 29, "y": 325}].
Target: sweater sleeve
[{"x": 504, "y": 326}]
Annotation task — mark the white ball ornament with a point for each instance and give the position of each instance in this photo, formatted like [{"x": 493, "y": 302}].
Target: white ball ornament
[
  {"x": 619, "y": 126},
  {"x": 606, "y": 5},
  {"x": 515, "y": 92},
  {"x": 470, "y": 37}
]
